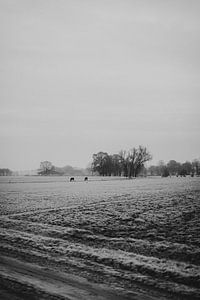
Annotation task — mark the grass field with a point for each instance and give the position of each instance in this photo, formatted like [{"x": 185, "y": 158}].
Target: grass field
[{"x": 103, "y": 239}]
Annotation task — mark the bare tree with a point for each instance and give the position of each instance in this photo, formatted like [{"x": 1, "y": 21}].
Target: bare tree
[
  {"x": 136, "y": 159},
  {"x": 46, "y": 168},
  {"x": 101, "y": 163},
  {"x": 173, "y": 167},
  {"x": 196, "y": 166},
  {"x": 130, "y": 163}
]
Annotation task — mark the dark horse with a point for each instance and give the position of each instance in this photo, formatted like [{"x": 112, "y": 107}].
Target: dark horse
[
  {"x": 71, "y": 179},
  {"x": 86, "y": 179}
]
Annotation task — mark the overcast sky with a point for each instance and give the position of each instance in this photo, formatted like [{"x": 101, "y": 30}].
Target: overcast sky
[{"x": 81, "y": 76}]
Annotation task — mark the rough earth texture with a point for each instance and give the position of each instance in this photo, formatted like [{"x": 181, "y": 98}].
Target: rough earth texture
[{"x": 102, "y": 239}]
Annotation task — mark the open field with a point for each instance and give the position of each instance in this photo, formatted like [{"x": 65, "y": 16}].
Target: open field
[{"x": 102, "y": 239}]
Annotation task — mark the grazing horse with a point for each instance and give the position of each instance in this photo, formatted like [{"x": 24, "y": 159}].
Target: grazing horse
[
  {"x": 71, "y": 179},
  {"x": 86, "y": 179}
]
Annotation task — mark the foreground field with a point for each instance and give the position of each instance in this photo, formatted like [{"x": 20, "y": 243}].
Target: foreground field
[{"x": 105, "y": 239}]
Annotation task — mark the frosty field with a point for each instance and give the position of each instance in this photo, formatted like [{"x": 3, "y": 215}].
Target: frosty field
[{"x": 102, "y": 239}]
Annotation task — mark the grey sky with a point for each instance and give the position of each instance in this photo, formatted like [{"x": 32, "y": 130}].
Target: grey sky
[{"x": 77, "y": 77}]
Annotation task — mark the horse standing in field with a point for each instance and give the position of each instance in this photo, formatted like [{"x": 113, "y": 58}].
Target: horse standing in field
[
  {"x": 71, "y": 179},
  {"x": 86, "y": 179}
]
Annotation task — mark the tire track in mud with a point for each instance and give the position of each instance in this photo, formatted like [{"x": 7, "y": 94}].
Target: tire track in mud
[
  {"x": 168, "y": 275},
  {"x": 175, "y": 221},
  {"x": 34, "y": 282},
  {"x": 147, "y": 241},
  {"x": 179, "y": 252},
  {"x": 128, "y": 282}
]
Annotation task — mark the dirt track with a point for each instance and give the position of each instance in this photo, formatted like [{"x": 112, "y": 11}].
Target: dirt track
[{"x": 21, "y": 280}]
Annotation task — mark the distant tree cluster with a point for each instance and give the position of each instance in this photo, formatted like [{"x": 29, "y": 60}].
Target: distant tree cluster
[
  {"x": 174, "y": 168},
  {"x": 125, "y": 163},
  {"x": 5, "y": 172},
  {"x": 47, "y": 169}
]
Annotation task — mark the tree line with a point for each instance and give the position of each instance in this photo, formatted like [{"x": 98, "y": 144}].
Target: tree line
[
  {"x": 132, "y": 163},
  {"x": 47, "y": 168},
  {"x": 5, "y": 172},
  {"x": 125, "y": 163},
  {"x": 174, "y": 168}
]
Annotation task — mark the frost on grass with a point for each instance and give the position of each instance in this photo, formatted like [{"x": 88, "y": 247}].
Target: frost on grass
[{"x": 123, "y": 232}]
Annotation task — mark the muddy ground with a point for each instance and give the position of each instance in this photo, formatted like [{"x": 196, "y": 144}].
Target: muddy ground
[{"x": 104, "y": 239}]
